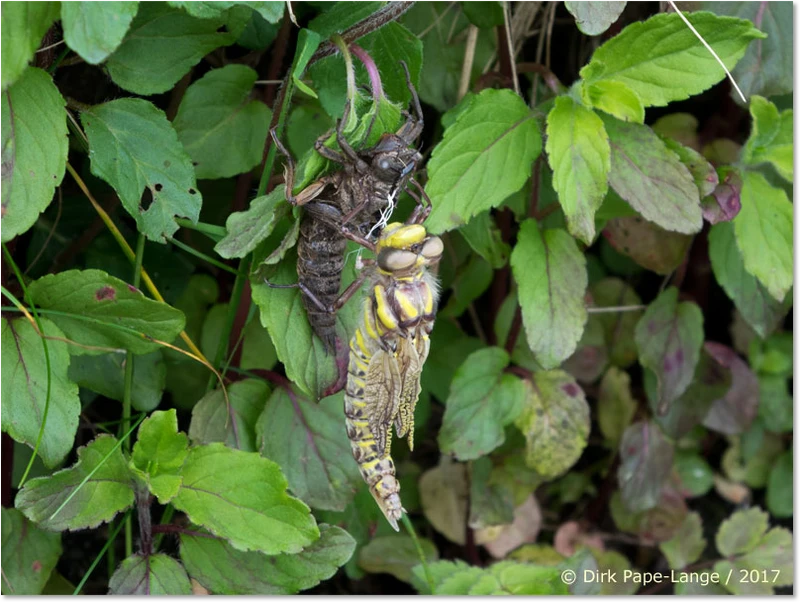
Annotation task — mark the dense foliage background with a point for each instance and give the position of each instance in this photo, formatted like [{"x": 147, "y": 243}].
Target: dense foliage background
[{"x": 609, "y": 381}]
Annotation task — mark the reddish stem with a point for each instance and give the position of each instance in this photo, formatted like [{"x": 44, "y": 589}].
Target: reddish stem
[{"x": 372, "y": 70}]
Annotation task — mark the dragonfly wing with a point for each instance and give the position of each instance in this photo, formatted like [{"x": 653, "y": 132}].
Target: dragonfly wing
[
  {"x": 411, "y": 357},
  {"x": 382, "y": 395}
]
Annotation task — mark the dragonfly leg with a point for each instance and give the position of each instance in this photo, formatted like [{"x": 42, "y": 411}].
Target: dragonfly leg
[{"x": 413, "y": 126}]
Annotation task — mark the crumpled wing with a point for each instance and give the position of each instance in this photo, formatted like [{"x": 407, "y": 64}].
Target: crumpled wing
[
  {"x": 412, "y": 353},
  {"x": 382, "y": 396}
]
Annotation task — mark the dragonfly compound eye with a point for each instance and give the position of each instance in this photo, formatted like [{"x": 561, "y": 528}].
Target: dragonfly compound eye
[
  {"x": 433, "y": 248},
  {"x": 393, "y": 260}
]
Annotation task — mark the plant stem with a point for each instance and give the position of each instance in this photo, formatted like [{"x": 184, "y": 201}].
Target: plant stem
[
  {"x": 160, "y": 529},
  {"x": 233, "y": 305},
  {"x": 410, "y": 528},
  {"x": 203, "y": 256},
  {"x": 128, "y": 389},
  {"x": 215, "y": 233}
]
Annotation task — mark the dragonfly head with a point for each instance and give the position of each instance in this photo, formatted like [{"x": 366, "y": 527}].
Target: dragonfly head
[
  {"x": 403, "y": 249},
  {"x": 393, "y": 160}
]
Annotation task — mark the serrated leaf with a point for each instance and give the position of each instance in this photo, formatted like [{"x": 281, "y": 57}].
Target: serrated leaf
[
  {"x": 580, "y": 157},
  {"x": 551, "y": 274},
  {"x": 225, "y": 570},
  {"x": 507, "y": 577},
  {"x": 25, "y": 25},
  {"x": 105, "y": 374},
  {"x": 388, "y": 46},
  {"x": 93, "y": 304},
  {"x": 32, "y": 111},
  {"x": 646, "y": 461},
  {"x": 246, "y": 229},
  {"x": 763, "y": 231},
  {"x": 232, "y": 422},
  {"x": 733, "y": 413},
  {"x": 651, "y": 178},
  {"x": 29, "y": 554},
  {"x": 705, "y": 177},
  {"x": 616, "y": 406},
  {"x": 686, "y": 545},
  {"x": 396, "y": 555},
  {"x": 483, "y": 399},
  {"x": 24, "y": 389},
  {"x": 469, "y": 170},
  {"x": 555, "y": 423},
  {"x": 773, "y": 557},
  {"x": 593, "y": 18},
  {"x": 649, "y": 245},
  {"x": 220, "y": 126},
  {"x": 154, "y": 575},
  {"x": 663, "y": 60},
  {"x": 270, "y": 11},
  {"x": 614, "y": 98},
  {"x": 669, "y": 336},
  {"x": 95, "y": 29},
  {"x": 309, "y": 442},
  {"x": 765, "y": 68},
  {"x": 775, "y": 406},
  {"x": 159, "y": 453},
  {"x": 742, "y": 531},
  {"x": 771, "y": 137},
  {"x": 483, "y": 235},
  {"x": 242, "y": 497},
  {"x": 135, "y": 149},
  {"x": 751, "y": 298},
  {"x": 107, "y": 492},
  {"x": 450, "y": 347},
  {"x": 162, "y": 44},
  {"x": 780, "y": 497}
]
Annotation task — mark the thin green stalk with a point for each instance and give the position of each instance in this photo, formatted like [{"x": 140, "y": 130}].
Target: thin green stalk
[
  {"x": 202, "y": 256},
  {"x": 410, "y": 528},
  {"x": 103, "y": 550},
  {"x": 27, "y": 297},
  {"x": 215, "y": 233},
  {"x": 230, "y": 318},
  {"x": 128, "y": 388}
]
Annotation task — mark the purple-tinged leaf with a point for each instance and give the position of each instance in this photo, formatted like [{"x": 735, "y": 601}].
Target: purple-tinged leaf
[
  {"x": 618, "y": 327},
  {"x": 725, "y": 201},
  {"x": 651, "y": 178},
  {"x": 705, "y": 177},
  {"x": 156, "y": 575},
  {"x": 733, "y": 413},
  {"x": 649, "y": 245},
  {"x": 669, "y": 337},
  {"x": 646, "y": 461},
  {"x": 591, "y": 357}
]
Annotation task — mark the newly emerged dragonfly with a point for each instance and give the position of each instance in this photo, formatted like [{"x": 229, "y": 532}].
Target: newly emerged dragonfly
[
  {"x": 356, "y": 196},
  {"x": 387, "y": 354}
]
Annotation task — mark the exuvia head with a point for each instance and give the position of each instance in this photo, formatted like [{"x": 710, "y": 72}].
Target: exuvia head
[
  {"x": 405, "y": 248},
  {"x": 393, "y": 159}
]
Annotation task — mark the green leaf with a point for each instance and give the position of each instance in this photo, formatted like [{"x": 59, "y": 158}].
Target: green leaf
[
  {"x": 25, "y": 25},
  {"x": 780, "y": 497},
  {"x": 94, "y": 305},
  {"x": 483, "y": 399},
  {"x": 662, "y": 60},
  {"x": 687, "y": 544},
  {"x": 246, "y": 229},
  {"x": 751, "y": 298},
  {"x": 507, "y": 577},
  {"x": 649, "y": 245},
  {"x": 220, "y": 126},
  {"x": 309, "y": 442},
  {"x": 771, "y": 137},
  {"x": 491, "y": 503},
  {"x": 704, "y": 174},
  {"x": 614, "y": 98},
  {"x": 242, "y": 497},
  {"x": 486, "y": 240},
  {"x": 669, "y": 337},
  {"x": 484, "y": 14},
  {"x": 591, "y": 357},
  {"x": 32, "y": 111},
  {"x": 764, "y": 233},
  {"x": 472, "y": 280},
  {"x": 161, "y": 46},
  {"x": 580, "y": 157},
  {"x": 734, "y": 412},
  {"x": 593, "y": 18},
  {"x": 341, "y": 16},
  {"x": 232, "y": 422},
  {"x": 469, "y": 170},
  {"x": 29, "y": 553},
  {"x": 159, "y": 452},
  {"x": 24, "y": 389},
  {"x": 108, "y": 491},
  {"x": 619, "y": 328},
  {"x": 772, "y": 558},
  {"x": 765, "y": 68},
  {"x": 444, "y": 495},
  {"x": 388, "y": 46},
  {"x": 271, "y": 11},
  {"x": 616, "y": 406},
  {"x": 651, "y": 178},
  {"x": 775, "y": 408},
  {"x": 695, "y": 474},
  {"x": 396, "y": 555},
  {"x": 555, "y": 423},
  {"x": 95, "y": 29},
  {"x": 646, "y": 461},
  {"x": 105, "y": 374},
  {"x": 133, "y": 147},
  {"x": 450, "y": 347},
  {"x": 742, "y": 531},
  {"x": 224, "y": 570},
  {"x": 550, "y": 271},
  {"x": 154, "y": 575}
]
